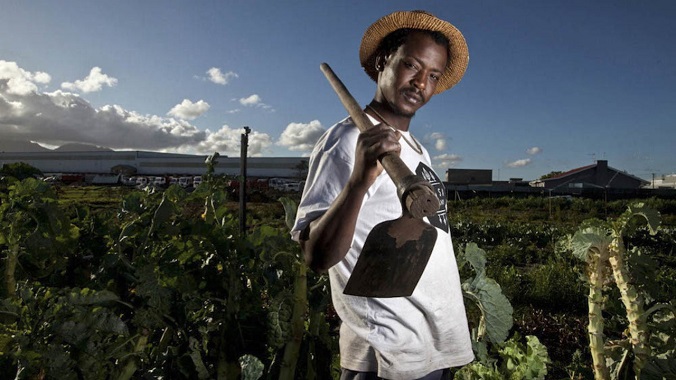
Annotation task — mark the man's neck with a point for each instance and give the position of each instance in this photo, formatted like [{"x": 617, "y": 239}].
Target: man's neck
[{"x": 385, "y": 114}]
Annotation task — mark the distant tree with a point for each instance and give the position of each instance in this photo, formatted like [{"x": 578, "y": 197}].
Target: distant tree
[
  {"x": 19, "y": 170},
  {"x": 302, "y": 168},
  {"x": 551, "y": 174}
]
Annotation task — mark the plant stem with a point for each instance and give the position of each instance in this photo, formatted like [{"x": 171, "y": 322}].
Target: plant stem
[
  {"x": 292, "y": 349},
  {"x": 10, "y": 270},
  {"x": 596, "y": 267},
  {"x": 633, "y": 303}
]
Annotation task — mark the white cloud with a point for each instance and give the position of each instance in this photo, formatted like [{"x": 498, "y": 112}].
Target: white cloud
[
  {"x": 534, "y": 150},
  {"x": 187, "y": 110},
  {"x": 436, "y": 139},
  {"x": 17, "y": 81},
  {"x": 218, "y": 77},
  {"x": 91, "y": 83},
  {"x": 252, "y": 100},
  {"x": 446, "y": 160},
  {"x": 42, "y": 78},
  {"x": 300, "y": 137},
  {"x": 519, "y": 163},
  {"x": 60, "y": 117},
  {"x": 228, "y": 141}
]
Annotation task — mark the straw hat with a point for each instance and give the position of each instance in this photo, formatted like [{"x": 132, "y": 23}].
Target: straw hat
[{"x": 457, "y": 49}]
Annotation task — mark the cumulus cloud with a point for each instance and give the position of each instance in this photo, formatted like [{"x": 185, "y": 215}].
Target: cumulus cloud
[
  {"x": 228, "y": 141},
  {"x": 215, "y": 75},
  {"x": 301, "y": 137},
  {"x": 438, "y": 140},
  {"x": 254, "y": 101},
  {"x": 519, "y": 163},
  {"x": 534, "y": 150},
  {"x": 446, "y": 160},
  {"x": 17, "y": 81},
  {"x": 187, "y": 110},
  {"x": 91, "y": 83},
  {"x": 61, "y": 117}
]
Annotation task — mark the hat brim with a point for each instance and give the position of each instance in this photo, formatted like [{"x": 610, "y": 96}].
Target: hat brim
[{"x": 457, "y": 47}]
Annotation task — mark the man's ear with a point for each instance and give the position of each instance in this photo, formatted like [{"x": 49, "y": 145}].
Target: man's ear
[{"x": 381, "y": 60}]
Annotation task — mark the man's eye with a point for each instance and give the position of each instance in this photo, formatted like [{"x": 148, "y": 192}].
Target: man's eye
[
  {"x": 435, "y": 77},
  {"x": 409, "y": 65}
]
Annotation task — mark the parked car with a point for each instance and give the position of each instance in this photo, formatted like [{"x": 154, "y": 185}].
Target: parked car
[
  {"x": 160, "y": 181},
  {"x": 129, "y": 181},
  {"x": 293, "y": 186},
  {"x": 278, "y": 183},
  {"x": 141, "y": 181},
  {"x": 185, "y": 181},
  {"x": 196, "y": 180}
]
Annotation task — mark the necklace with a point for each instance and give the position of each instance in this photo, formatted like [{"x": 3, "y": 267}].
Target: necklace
[{"x": 416, "y": 148}]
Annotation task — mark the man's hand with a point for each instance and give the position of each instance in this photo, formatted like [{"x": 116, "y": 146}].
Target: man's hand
[{"x": 372, "y": 144}]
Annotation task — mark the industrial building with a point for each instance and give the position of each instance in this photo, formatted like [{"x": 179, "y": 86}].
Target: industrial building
[
  {"x": 598, "y": 175},
  {"x": 145, "y": 163}
]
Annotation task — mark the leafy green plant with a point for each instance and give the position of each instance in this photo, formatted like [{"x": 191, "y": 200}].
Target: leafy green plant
[
  {"x": 32, "y": 229},
  {"x": 601, "y": 245},
  {"x": 489, "y": 335}
]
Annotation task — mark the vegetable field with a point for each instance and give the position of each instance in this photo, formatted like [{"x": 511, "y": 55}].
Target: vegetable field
[{"x": 113, "y": 283}]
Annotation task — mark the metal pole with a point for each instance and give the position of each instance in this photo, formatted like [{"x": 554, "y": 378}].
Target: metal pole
[{"x": 242, "y": 181}]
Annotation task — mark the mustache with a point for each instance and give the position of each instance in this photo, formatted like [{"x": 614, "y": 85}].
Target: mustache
[{"x": 414, "y": 92}]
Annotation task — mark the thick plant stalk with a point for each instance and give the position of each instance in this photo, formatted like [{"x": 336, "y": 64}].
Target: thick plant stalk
[
  {"x": 292, "y": 348},
  {"x": 633, "y": 303},
  {"x": 10, "y": 270},
  {"x": 597, "y": 268}
]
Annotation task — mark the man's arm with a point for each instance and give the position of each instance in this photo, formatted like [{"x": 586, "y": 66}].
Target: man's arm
[{"x": 327, "y": 239}]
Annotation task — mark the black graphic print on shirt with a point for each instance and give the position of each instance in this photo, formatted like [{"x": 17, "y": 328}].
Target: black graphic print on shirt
[{"x": 440, "y": 219}]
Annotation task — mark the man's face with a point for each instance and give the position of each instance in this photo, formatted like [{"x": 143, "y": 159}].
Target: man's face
[{"x": 410, "y": 74}]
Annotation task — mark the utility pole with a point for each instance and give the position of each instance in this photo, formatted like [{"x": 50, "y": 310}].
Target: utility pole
[{"x": 242, "y": 181}]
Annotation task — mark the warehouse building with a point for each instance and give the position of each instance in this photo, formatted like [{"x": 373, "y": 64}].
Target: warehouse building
[
  {"x": 598, "y": 175},
  {"x": 154, "y": 163}
]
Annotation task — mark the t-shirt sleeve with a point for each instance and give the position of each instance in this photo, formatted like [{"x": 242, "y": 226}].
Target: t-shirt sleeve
[{"x": 330, "y": 168}]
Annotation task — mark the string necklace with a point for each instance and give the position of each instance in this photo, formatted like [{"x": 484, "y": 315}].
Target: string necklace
[{"x": 416, "y": 148}]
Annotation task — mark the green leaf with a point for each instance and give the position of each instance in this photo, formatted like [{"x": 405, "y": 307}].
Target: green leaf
[
  {"x": 521, "y": 362},
  {"x": 252, "y": 367},
  {"x": 162, "y": 214},
  {"x": 495, "y": 307},
  {"x": 476, "y": 257},
  {"x": 651, "y": 216},
  {"x": 290, "y": 209},
  {"x": 589, "y": 239},
  {"x": 91, "y": 297},
  {"x": 196, "y": 356}
]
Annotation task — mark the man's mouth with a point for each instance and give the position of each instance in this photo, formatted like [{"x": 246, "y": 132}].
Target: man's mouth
[{"x": 412, "y": 96}]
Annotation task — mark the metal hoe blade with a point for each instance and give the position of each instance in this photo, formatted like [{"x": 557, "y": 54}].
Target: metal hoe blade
[{"x": 393, "y": 259}]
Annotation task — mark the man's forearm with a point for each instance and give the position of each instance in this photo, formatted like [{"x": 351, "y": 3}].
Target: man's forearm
[{"x": 326, "y": 240}]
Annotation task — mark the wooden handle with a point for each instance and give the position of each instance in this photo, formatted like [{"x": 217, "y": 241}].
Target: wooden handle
[{"x": 416, "y": 194}]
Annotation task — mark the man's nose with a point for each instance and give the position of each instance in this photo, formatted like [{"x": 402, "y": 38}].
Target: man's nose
[{"x": 419, "y": 81}]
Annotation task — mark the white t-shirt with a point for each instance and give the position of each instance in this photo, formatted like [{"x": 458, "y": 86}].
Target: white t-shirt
[{"x": 402, "y": 337}]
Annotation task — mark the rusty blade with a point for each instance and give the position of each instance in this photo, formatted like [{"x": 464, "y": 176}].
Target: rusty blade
[{"x": 393, "y": 259}]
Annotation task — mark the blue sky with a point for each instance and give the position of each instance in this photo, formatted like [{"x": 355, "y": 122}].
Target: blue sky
[{"x": 551, "y": 85}]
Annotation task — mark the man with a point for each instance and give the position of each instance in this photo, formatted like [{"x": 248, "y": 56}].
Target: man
[{"x": 411, "y": 56}]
